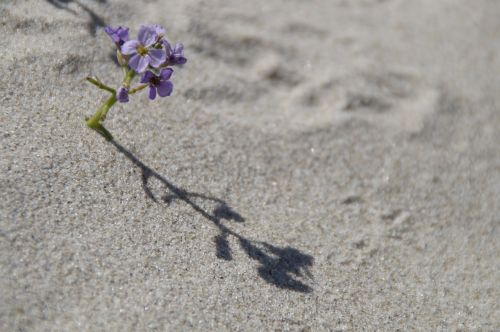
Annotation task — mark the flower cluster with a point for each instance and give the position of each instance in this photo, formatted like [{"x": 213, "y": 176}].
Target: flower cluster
[{"x": 150, "y": 55}]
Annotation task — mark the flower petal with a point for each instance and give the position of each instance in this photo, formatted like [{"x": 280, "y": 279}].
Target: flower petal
[
  {"x": 142, "y": 64},
  {"x": 165, "y": 88},
  {"x": 122, "y": 33},
  {"x": 152, "y": 93},
  {"x": 112, "y": 34},
  {"x": 168, "y": 47},
  {"x": 166, "y": 73},
  {"x": 179, "y": 49},
  {"x": 179, "y": 60},
  {"x": 130, "y": 47},
  {"x": 109, "y": 30},
  {"x": 157, "y": 57},
  {"x": 160, "y": 31},
  {"x": 133, "y": 62},
  {"x": 177, "y": 56},
  {"x": 147, "y": 35},
  {"x": 146, "y": 78}
]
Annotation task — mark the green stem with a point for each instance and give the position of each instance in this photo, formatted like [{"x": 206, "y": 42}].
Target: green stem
[
  {"x": 99, "y": 84},
  {"x": 128, "y": 77},
  {"x": 137, "y": 89},
  {"x": 95, "y": 121}
]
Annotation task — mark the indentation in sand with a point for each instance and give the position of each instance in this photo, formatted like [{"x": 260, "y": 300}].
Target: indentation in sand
[{"x": 390, "y": 99}]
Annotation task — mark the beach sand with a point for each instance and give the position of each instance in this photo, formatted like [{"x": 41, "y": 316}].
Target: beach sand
[{"x": 321, "y": 165}]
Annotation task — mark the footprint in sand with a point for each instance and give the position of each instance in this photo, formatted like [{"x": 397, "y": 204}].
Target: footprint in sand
[{"x": 391, "y": 99}]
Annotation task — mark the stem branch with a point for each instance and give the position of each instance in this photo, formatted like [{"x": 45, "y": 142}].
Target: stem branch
[
  {"x": 137, "y": 89},
  {"x": 99, "y": 84},
  {"x": 95, "y": 122}
]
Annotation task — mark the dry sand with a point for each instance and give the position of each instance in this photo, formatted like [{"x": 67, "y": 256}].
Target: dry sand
[{"x": 322, "y": 165}]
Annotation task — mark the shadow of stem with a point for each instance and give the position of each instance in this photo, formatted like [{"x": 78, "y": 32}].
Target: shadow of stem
[
  {"x": 95, "y": 22},
  {"x": 281, "y": 267}
]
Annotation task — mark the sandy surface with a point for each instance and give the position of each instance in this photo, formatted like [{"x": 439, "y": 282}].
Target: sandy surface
[{"x": 322, "y": 165}]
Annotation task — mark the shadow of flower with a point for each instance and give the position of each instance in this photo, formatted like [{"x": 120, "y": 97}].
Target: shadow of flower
[{"x": 286, "y": 268}]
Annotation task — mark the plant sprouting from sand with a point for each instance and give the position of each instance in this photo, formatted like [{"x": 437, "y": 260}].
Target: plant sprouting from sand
[{"x": 151, "y": 56}]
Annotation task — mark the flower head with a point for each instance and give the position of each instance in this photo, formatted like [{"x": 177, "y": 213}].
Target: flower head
[
  {"x": 122, "y": 95},
  {"x": 118, "y": 35},
  {"x": 142, "y": 51},
  {"x": 159, "y": 83},
  {"x": 175, "y": 56}
]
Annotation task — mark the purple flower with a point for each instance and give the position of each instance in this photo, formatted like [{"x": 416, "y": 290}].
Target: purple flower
[
  {"x": 159, "y": 83},
  {"x": 160, "y": 31},
  {"x": 142, "y": 51},
  {"x": 122, "y": 95},
  {"x": 175, "y": 56},
  {"x": 118, "y": 35}
]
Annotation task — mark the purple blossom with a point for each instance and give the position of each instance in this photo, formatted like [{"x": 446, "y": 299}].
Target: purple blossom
[
  {"x": 118, "y": 35},
  {"x": 175, "y": 56},
  {"x": 122, "y": 95},
  {"x": 159, "y": 83},
  {"x": 160, "y": 31},
  {"x": 142, "y": 50}
]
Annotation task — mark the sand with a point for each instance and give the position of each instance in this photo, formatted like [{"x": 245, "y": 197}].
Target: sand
[{"x": 321, "y": 165}]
